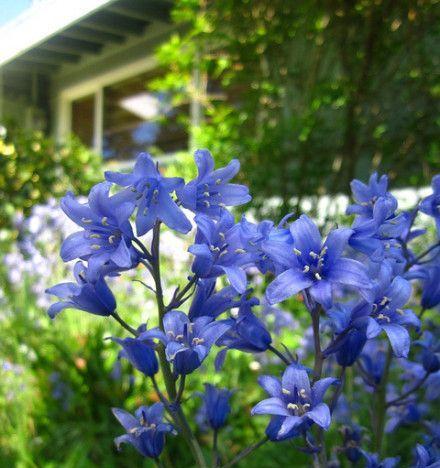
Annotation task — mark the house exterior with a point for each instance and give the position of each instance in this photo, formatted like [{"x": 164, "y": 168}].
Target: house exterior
[{"x": 83, "y": 67}]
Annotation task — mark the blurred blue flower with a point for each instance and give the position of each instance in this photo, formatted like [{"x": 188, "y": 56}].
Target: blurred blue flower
[
  {"x": 372, "y": 460},
  {"x": 215, "y": 407},
  {"x": 145, "y": 431},
  {"x": 294, "y": 405},
  {"x": 150, "y": 192},
  {"x": 211, "y": 191},
  {"x": 431, "y": 351},
  {"x": 94, "y": 297},
  {"x": 431, "y": 204},
  {"x": 314, "y": 266},
  {"x": 351, "y": 436},
  {"x": 427, "y": 456}
]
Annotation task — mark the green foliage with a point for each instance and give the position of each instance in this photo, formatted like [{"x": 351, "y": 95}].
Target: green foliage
[
  {"x": 309, "y": 94},
  {"x": 34, "y": 169}
]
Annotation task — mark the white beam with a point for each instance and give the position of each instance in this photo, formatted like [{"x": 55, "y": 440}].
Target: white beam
[{"x": 42, "y": 21}]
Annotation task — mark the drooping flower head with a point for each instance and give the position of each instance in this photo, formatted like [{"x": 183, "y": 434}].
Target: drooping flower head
[
  {"x": 294, "y": 405},
  {"x": 105, "y": 241},
  {"x": 352, "y": 436},
  {"x": 247, "y": 333},
  {"x": 145, "y": 430},
  {"x": 314, "y": 265},
  {"x": 151, "y": 193},
  {"x": 372, "y": 460},
  {"x": 211, "y": 191},
  {"x": 140, "y": 352},
  {"x": 218, "y": 250},
  {"x": 431, "y": 352},
  {"x": 188, "y": 343},
  {"x": 431, "y": 204},
  {"x": 94, "y": 297},
  {"x": 207, "y": 302},
  {"x": 216, "y": 406}
]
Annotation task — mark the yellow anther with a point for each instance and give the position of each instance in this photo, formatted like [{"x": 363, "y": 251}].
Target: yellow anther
[
  {"x": 292, "y": 406},
  {"x": 197, "y": 341},
  {"x": 207, "y": 204},
  {"x": 104, "y": 221},
  {"x": 86, "y": 220},
  {"x": 306, "y": 269},
  {"x": 303, "y": 392},
  {"x": 313, "y": 254},
  {"x": 297, "y": 252},
  {"x": 240, "y": 251},
  {"x": 95, "y": 236},
  {"x": 95, "y": 246},
  {"x": 285, "y": 391},
  {"x": 206, "y": 194},
  {"x": 400, "y": 311},
  {"x": 218, "y": 181},
  {"x": 384, "y": 301}
]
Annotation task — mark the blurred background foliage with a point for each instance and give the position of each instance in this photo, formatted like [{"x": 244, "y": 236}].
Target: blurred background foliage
[
  {"x": 309, "y": 95},
  {"x": 33, "y": 169}
]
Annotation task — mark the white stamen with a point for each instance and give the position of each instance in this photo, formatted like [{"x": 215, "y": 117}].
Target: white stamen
[
  {"x": 240, "y": 251},
  {"x": 306, "y": 269},
  {"x": 95, "y": 246},
  {"x": 86, "y": 220},
  {"x": 218, "y": 181},
  {"x": 318, "y": 276},
  {"x": 285, "y": 391},
  {"x": 104, "y": 221},
  {"x": 297, "y": 252}
]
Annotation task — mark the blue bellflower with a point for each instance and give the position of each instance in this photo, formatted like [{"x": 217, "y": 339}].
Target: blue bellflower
[
  {"x": 140, "y": 353},
  {"x": 105, "y": 241},
  {"x": 427, "y": 456},
  {"x": 386, "y": 311},
  {"x": 431, "y": 287},
  {"x": 211, "y": 191},
  {"x": 372, "y": 460},
  {"x": 94, "y": 297},
  {"x": 216, "y": 406},
  {"x": 431, "y": 204},
  {"x": 145, "y": 431},
  {"x": 218, "y": 250},
  {"x": 430, "y": 353},
  {"x": 367, "y": 195},
  {"x": 151, "y": 193},
  {"x": 352, "y": 436},
  {"x": 247, "y": 332},
  {"x": 207, "y": 302},
  {"x": 188, "y": 343},
  {"x": 314, "y": 265},
  {"x": 294, "y": 405}
]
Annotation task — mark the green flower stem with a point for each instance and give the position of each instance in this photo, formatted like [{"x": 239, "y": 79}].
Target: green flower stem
[
  {"x": 246, "y": 452},
  {"x": 321, "y": 458},
  {"x": 170, "y": 381},
  {"x": 379, "y": 411}
]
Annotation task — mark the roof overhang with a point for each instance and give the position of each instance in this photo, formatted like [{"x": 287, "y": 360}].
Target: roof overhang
[{"x": 53, "y": 33}]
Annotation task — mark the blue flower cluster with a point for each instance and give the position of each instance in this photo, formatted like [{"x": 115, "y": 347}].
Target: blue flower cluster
[{"x": 357, "y": 284}]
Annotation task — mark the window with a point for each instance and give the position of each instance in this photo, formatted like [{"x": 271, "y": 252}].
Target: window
[
  {"x": 83, "y": 111},
  {"x": 135, "y": 120}
]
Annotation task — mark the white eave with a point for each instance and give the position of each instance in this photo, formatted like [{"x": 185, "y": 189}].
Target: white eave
[{"x": 42, "y": 21}]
